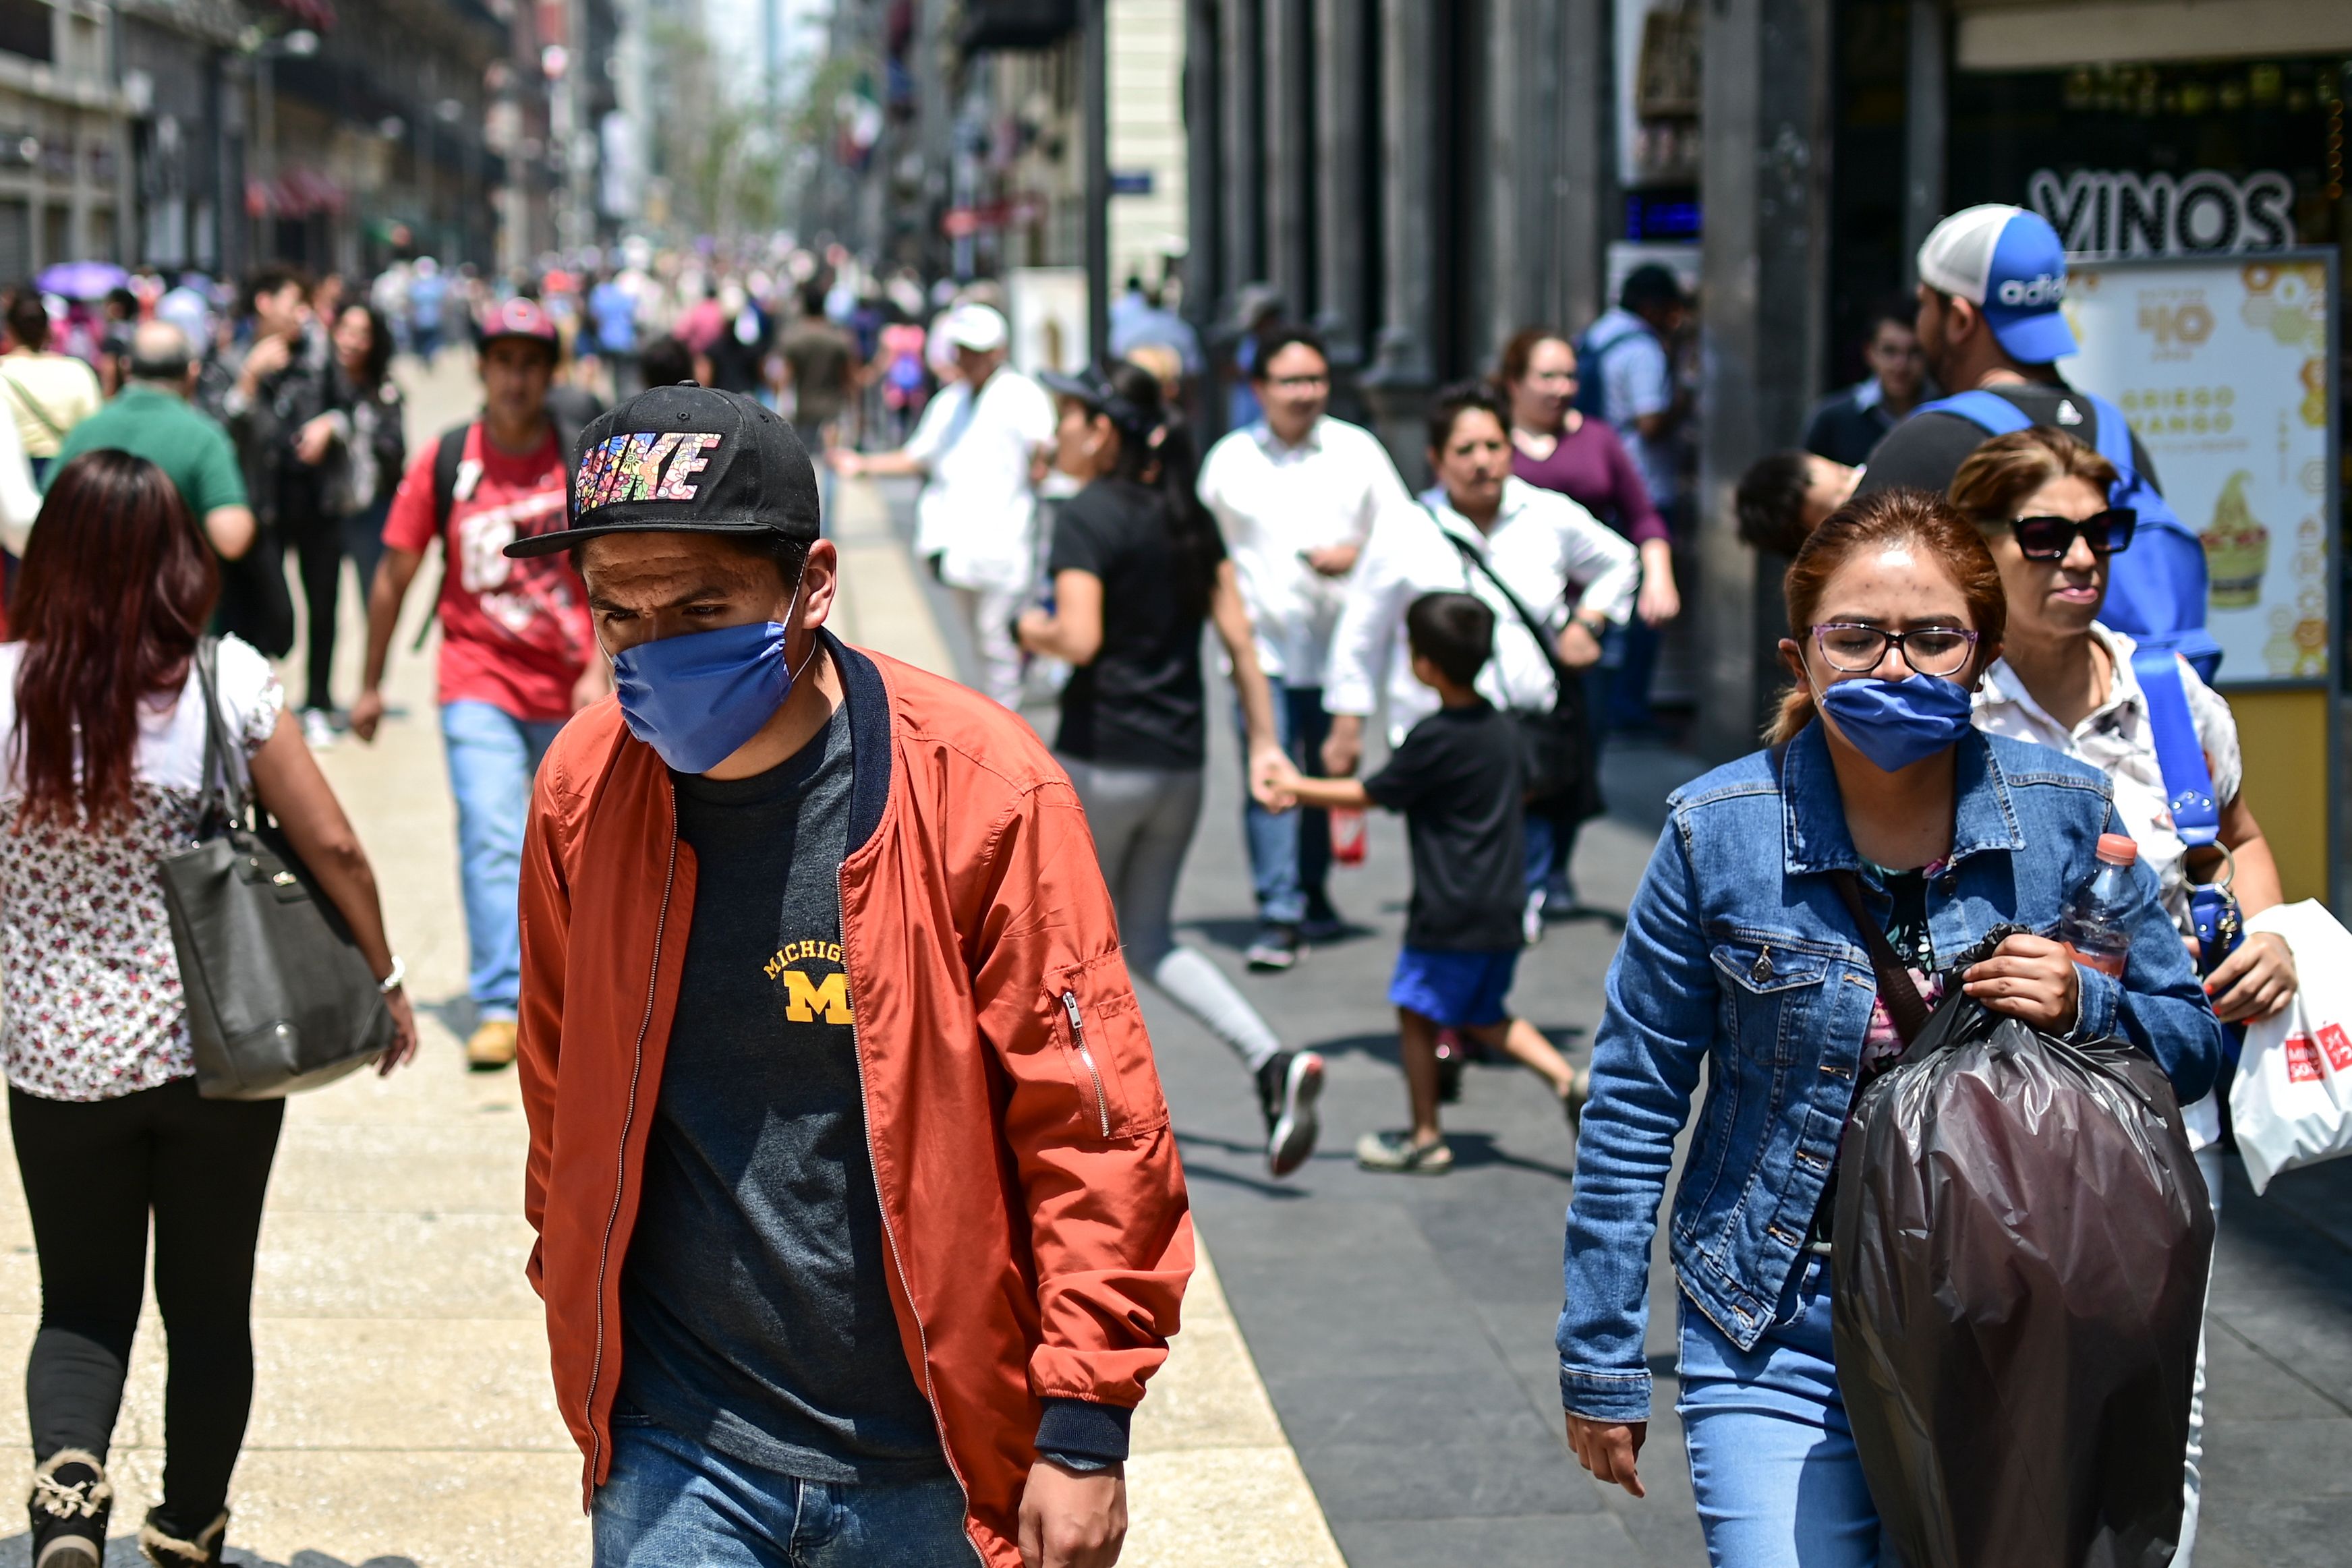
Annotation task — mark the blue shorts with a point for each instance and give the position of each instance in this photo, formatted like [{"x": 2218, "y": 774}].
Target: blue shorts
[{"x": 1458, "y": 989}]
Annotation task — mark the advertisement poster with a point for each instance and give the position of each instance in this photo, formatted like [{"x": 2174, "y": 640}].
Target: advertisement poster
[{"x": 2221, "y": 365}]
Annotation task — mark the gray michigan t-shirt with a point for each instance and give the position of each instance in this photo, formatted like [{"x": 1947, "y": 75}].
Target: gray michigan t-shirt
[{"x": 755, "y": 1305}]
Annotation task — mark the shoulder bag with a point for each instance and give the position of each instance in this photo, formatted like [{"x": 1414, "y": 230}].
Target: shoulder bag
[
  {"x": 280, "y": 998},
  {"x": 1556, "y": 748}
]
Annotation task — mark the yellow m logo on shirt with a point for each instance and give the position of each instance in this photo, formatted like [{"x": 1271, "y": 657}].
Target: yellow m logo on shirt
[{"x": 807, "y": 1000}]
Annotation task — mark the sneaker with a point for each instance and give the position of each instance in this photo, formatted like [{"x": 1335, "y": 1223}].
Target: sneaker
[
  {"x": 1579, "y": 1095},
  {"x": 1397, "y": 1152},
  {"x": 1287, "y": 1086},
  {"x": 491, "y": 1045},
  {"x": 167, "y": 1551},
  {"x": 1275, "y": 948},
  {"x": 1531, "y": 919},
  {"x": 70, "y": 1501},
  {"x": 318, "y": 729}
]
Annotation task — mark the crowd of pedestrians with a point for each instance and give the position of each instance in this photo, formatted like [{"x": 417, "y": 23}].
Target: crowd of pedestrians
[{"x": 694, "y": 826}]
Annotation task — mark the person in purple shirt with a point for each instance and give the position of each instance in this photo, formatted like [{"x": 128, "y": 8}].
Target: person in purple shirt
[{"x": 1556, "y": 447}]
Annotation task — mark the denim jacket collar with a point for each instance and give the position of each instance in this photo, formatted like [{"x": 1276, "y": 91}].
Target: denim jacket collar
[{"x": 1812, "y": 811}]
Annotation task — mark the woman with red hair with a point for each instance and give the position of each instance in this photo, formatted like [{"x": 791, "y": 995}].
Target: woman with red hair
[{"x": 102, "y": 719}]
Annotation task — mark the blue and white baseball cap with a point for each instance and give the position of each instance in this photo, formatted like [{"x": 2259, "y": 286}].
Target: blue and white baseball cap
[{"x": 2010, "y": 264}]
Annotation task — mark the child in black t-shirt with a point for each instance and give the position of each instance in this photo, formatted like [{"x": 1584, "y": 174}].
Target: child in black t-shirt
[{"x": 1457, "y": 779}]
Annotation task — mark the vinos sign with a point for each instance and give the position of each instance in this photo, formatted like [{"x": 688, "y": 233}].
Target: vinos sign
[{"x": 2112, "y": 213}]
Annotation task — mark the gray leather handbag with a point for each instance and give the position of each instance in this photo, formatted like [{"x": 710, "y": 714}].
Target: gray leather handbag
[{"x": 280, "y": 998}]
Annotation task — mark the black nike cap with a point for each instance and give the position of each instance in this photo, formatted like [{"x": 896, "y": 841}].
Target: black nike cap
[{"x": 686, "y": 459}]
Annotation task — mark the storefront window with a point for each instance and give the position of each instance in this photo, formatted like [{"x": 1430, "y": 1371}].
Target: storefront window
[{"x": 2105, "y": 132}]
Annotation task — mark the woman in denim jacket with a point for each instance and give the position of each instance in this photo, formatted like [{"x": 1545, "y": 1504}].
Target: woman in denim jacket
[{"x": 1740, "y": 954}]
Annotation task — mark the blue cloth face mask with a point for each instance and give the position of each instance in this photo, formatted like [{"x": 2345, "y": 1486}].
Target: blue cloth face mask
[
  {"x": 696, "y": 699},
  {"x": 1897, "y": 723}
]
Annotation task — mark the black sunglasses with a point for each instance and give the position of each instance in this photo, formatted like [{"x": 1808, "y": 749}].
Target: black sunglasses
[{"x": 2049, "y": 538}]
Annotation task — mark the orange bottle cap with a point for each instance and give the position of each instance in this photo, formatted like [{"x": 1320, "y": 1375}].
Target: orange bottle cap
[{"x": 2118, "y": 848}]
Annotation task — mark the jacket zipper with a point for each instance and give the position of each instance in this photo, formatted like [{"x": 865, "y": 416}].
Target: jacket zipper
[
  {"x": 620, "y": 1156},
  {"x": 890, "y": 1236},
  {"x": 1078, "y": 1037}
]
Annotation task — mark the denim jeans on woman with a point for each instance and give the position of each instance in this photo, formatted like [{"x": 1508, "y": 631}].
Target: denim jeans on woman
[
  {"x": 1772, "y": 1460},
  {"x": 670, "y": 1501},
  {"x": 493, "y": 757}
]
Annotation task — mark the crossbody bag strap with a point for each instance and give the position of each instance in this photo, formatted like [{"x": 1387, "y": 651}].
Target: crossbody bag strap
[
  {"x": 2187, "y": 782},
  {"x": 1896, "y": 986},
  {"x": 32, "y": 405},
  {"x": 1904, "y": 1005},
  {"x": 2189, "y": 795},
  {"x": 1477, "y": 557}
]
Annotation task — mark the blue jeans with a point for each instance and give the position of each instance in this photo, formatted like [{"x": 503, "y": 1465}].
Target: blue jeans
[
  {"x": 1771, "y": 1457},
  {"x": 492, "y": 758},
  {"x": 1290, "y": 853},
  {"x": 668, "y": 1501}
]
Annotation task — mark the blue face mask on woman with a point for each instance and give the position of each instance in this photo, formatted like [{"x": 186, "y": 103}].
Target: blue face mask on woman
[
  {"x": 1897, "y": 723},
  {"x": 696, "y": 699}
]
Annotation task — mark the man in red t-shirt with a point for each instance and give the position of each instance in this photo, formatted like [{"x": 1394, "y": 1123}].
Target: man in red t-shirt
[{"x": 517, "y": 658}]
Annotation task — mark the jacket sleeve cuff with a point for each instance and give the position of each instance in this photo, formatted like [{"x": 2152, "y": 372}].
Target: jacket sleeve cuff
[
  {"x": 1605, "y": 1395},
  {"x": 1082, "y": 1429},
  {"x": 2100, "y": 996}
]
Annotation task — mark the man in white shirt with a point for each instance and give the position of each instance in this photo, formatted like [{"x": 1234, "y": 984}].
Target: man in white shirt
[
  {"x": 1296, "y": 496},
  {"x": 981, "y": 444},
  {"x": 1548, "y": 551}
]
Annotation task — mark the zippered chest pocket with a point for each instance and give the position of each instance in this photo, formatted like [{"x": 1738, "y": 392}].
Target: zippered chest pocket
[
  {"x": 1106, "y": 1050},
  {"x": 1771, "y": 994}
]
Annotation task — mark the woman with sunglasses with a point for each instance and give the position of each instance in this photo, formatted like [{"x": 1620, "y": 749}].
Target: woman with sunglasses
[
  {"x": 2039, "y": 497},
  {"x": 1740, "y": 955}
]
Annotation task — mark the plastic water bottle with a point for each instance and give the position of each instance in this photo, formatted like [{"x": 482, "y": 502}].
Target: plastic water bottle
[
  {"x": 2092, "y": 923},
  {"x": 1347, "y": 837}
]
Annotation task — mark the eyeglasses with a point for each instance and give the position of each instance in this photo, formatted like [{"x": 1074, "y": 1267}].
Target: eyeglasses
[
  {"x": 1299, "y": 383},
  {"x": 1854, "y": 650},
  {"x": 2049, "y": 538}
]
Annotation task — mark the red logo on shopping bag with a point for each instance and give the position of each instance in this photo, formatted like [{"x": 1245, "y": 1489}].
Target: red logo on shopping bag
[
  {"x": 2337, "y": 1045},
  {"x": 2302, "y": 1060}
]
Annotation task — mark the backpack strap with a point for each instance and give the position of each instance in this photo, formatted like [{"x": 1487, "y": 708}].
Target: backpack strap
[
  {"x": 2112, "y": 434},
  {"x": 1989, "y": 409},
  {"x": 448, "y": 458}
]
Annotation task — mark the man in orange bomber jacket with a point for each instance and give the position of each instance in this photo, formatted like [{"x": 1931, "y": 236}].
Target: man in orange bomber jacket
[{"x": 860, "y": 1221}]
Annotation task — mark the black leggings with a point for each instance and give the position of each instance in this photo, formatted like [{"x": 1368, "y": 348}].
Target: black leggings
[
  {"x": 318, "y": 543},
  {"x": 93, "y": 1172}
]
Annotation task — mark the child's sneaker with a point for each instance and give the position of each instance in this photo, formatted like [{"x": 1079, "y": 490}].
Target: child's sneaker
[{"x": 1397, "y": 1152}]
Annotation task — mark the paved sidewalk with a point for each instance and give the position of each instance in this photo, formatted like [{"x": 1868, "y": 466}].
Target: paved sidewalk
[{"x": 1404, "y": 1326}]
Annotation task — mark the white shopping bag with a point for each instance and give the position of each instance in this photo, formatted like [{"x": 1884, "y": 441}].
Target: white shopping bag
[{"x": 2292, "y": 1099}]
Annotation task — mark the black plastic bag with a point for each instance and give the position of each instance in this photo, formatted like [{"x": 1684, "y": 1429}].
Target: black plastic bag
[{"x": 2022, "y": 1242}]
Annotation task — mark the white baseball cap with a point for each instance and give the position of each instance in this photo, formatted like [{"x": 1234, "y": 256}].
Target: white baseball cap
[
  {"x": 979, "y": 328},
  {"x": 2009, "y": 264}
]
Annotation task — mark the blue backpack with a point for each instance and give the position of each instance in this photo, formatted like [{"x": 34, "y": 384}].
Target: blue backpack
[
  {"x": 2155, "y": 589},
  {"x": 1592, "y": 352}
]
